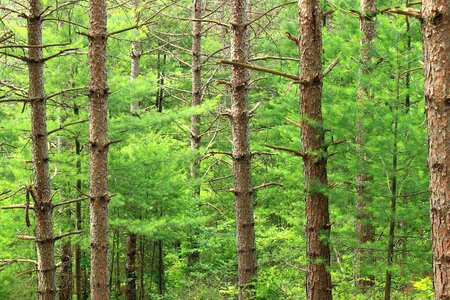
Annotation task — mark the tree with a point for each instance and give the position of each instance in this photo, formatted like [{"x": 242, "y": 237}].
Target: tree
[
  {"x": 364, "y": 228},
  {"x": 243, "y": 190},
  {"x": 41, "y": 193},
  {"x": 435, "y": 28},
  {"x": 314, "y": 154},
  {"x": 98, "y": 147}
]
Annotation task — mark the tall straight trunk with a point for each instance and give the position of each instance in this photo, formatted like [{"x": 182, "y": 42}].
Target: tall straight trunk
[
  {"x": 161, "y": 75},
  {"x": 135, "y": 55},
  {"x": 393, "y": 188},
  {"x": 130, "y": 265},
  {"x": 195, "y": 136},
  {"x": 160, "y": 266},
  {"x": 45, "y": 243},
  {"x": 142, "y": 268},
  {"x": 243, "y": 190},
  {"x": 318, "y": 279},
  {"x": 436, "y": 39},
  {"x": 78, "y": 215},
  {"x": 364, "y": 228},
  {"x": 65, "y": 277},
  {"x": 196, "y": 89},
  {"x": 98, "y": 147}
]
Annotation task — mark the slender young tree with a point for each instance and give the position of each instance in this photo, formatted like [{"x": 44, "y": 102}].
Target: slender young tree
[
  {"x": 243, "y": 190},
  {"x": 318, "y": 279},
  {"x": 130, "y": 265},
  {"x": 45, "y": 242},
  {"x": 436, "y": 40},
  {"x": 98, "y": 147},
  {"x": 364, "y": 228},
  {"x": 196, "y": 86}
]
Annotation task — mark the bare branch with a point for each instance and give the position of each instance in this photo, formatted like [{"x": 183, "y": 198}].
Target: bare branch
[
  {"x": 331, "y": 66},
  {"x": 292, "y": 151},
  {"x": 264, "y": 185},
  {"x": 70, "y": 201},
  {"x": 5, "y": 262},
  {"x": 61, "y": 127},
  {"x": 270, "y": 10},
  {"x": 60, "y": 53},
  {"x": 261, "y": 69},
  {"x": 67, "y": 234},
  {"x": 293, "y": 123}
]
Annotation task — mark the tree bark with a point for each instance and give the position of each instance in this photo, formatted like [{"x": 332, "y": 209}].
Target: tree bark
[
  {"x": 436, "y": 38},
  {"x": 364, "y": 228},
  {"x": 78, "y": 216},
  {"x": 130, "y": 268},
  {"x": 135, "y": 56},
  {"x": 98, "y": 148},
  {"x": 45, "y": 243},
  {"x": 195, "y": 137},
  {"x": 243, "y": 190},
  {"x": 65, "y": 279},
  {"x": 318, "y": 279}
]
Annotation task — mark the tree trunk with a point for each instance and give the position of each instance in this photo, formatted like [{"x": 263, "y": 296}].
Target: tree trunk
[
  {"x": 364, "y": 228},
  {"x": 243, "y": 190},
  {"x": 65, "y": 279},
  {"x": 98, "y": 147},
  {"x": 393, "y": 188},
  {"x": 318, "y": 279},
  {"x": 78, "y": 215},
  {"x": 195, "y": 137},
  {"x": 135, "y": 55},
  {"x": 435, "y": 29},
  {"x": 161, "y": 283},
  {"x": 130, "y": 268},
  {"x": 45, "y": 243}
]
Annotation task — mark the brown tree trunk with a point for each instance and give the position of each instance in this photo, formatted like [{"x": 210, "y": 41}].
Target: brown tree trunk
[
  {"x": 78, "y": 216},
  {"x": 318, "y": 279},
  {"x": 364, "y": 228},
  {"x": 393, "y": 188},
  {"x": 98, "y": 146},
  {"x": 45, "y": 243},
  {"x": 243, "y": 190},
  {"x": 195, "y": 137},
  {"x": 436, "y": 38},
  {"x": 135, "y": 55},
  {"x": 130, "y": 267},
  {"x": 65, "y": 277}
]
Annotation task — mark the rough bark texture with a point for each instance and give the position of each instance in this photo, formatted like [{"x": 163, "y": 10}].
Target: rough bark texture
[
  {"x": 364, "y": 228},
  {"x": 45, "y": 243},
  {"x": 98, "y": 146},
  {"x": 393, "y": 188},
  {"x": 79, "y": 217},
  {"x": 135, "y": 56},
  {"x": 436, "y": 37},
  {"x": 318, "y": 279},
  {"x": 243, "y": 190},
  {"x": 65, "y": 277},
  {"x": 196, "y": 87},
  {"x": 130, "y": 267}
]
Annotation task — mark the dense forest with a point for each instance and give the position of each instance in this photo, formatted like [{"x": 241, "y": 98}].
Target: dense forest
[{"x": 214, "y": 149}]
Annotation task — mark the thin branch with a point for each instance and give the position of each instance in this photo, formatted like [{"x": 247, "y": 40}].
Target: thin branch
[
  {"x": 70, "y": 201},
  {"x": 274, "y": 58},
  {"x": 61, "y": 127},
  {"x": 33, "y": 46},
  {"x": 22, "y": 58},
  {"x": 270, "y": 10},
  {"x": 292, "y": 151},
  {"x": 17, "y": 206},
  {"x": 330, "y": 66},
  {"x": 410, "y": 12},
  {"x": 67, "y": 234},
  {"x": 264, "y": 185},
  {"x": 293, "y": 122},
  {"x": 67, "y": 91},
  {"x": 261, "y": 69},
  {"x": 207, "y": 21},
  {"x": 60, "y": 53},
  {"x": 5, "y": 262}
]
